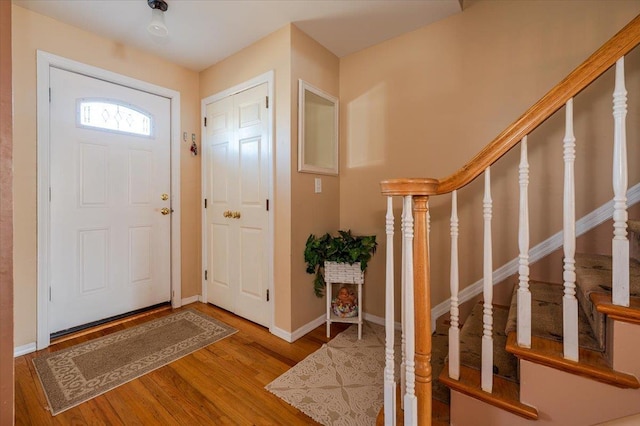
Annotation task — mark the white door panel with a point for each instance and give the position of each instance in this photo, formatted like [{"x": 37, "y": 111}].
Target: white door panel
[
  {"x": 237, "y": 183},
  {"x": 110, "y": 245}
]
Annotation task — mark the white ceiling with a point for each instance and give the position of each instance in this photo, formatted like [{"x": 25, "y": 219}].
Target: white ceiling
[{"x": 203, "y": 32}]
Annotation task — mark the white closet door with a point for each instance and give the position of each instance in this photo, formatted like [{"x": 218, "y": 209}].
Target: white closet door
[{"x": 237, "y": 192}]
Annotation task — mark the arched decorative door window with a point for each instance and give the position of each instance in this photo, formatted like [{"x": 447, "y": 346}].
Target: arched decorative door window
[{"x": 114, "y": 116}]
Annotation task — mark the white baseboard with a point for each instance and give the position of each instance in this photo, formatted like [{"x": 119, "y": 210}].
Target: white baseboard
[
  {"x": 191, "y": 299},
  {"x": 292, "y": 337},
  {"x": 380, "y": 320},
  {"x": 24, "y": 349},
  {"x": 295, "y": 335},
  {"x": 545, "y": 248}
]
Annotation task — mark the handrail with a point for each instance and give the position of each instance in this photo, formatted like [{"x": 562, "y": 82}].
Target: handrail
[{"x": 596, "y": 65}]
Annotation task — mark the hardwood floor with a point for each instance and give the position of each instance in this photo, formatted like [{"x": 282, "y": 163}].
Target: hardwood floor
[{"x": 222, "y": 384}]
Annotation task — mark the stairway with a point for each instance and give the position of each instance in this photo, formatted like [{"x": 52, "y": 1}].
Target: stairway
[
  {"x": 577, "y": 365},
  {"x": 593, "y": 285}
]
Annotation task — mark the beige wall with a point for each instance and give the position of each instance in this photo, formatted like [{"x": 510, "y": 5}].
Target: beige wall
[
  {"x": 418, "y": 105},
  {"x": 311, "y": 213},
  {"x": 6, "y": 220},
  {"x": 422, "y": 104},
  {"x": 269, "y": 53},
  {"x": 32, "y": 31},
  {"x": 298, "y": 210}
]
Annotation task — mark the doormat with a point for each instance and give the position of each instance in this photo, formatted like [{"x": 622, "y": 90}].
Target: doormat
[{"x": 74, "y": 375}]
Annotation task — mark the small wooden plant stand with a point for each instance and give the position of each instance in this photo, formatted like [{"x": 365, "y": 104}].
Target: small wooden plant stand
[{"x": 343, "y": 273}]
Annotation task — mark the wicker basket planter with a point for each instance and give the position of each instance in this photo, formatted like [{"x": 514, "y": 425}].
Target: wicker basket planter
[
  {"x": 341, "y": 274},
  {"x": 335, "y": 272},
  {"x": 345, "y": 254}
]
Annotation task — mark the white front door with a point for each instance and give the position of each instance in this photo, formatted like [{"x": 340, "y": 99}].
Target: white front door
[
  {"x": 236, "y": 188},
  {"x": 110, "y": 180}
]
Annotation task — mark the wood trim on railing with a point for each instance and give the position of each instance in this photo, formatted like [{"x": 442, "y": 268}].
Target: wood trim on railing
[
  {"x": 422, "y": 304},
  {"x": 402, "y": 187},
  {"x": 599, "y": 62}
]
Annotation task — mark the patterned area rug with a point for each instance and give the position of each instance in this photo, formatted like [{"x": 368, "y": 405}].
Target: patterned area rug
[
  {"x": 342, "y": 382},
  {"x": 76, "y": 374}
]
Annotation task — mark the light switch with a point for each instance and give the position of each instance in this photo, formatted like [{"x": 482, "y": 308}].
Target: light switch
[{"x": 318, "y": 185}]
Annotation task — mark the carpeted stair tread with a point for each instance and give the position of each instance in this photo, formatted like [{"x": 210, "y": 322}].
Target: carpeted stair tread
[
  {"x": 546, "y": 316},
  {"x": 439, "y": 352},
  {"x": 505, "y": 365},
  {"x": 633, "y": 226},
  {"x": 593, "y": 275}
]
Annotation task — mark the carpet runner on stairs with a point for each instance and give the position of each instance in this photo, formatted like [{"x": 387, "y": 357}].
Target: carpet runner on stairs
[
  {"x": 505, "y": 364},
  {"x": 546, "y": 315},
  {"x": 439, "y": 352},
  {"x": 593, "y": 274}
]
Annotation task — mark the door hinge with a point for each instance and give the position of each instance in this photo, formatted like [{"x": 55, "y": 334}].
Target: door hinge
[
  {"x": 267, "y": 295},
  {"x": 205, "y": 203},
  {"x": 205, "y": 122},
  {"x": 266, "y": 101},
  {"x": 49, "y": 194},
  {"x": 267, "y": 204},
  {"x": 49, "y": 293},
  {"x": 49, "y": 94},
  {"x": 206, "y": 274}
]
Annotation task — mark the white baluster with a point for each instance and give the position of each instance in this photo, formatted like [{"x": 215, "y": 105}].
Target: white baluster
[
  {"x": 620, "y": 243},
  {"x": 389, "y": 380},
  {"x": 524, "y": 294},
  {"x": 487, "y": 317},
  {"x": 569, "y": 301},
  {"x": 410, "y": 400},
  {"x": 454, "y": 328}
]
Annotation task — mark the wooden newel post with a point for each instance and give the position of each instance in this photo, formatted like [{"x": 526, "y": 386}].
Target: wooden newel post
[
  {"x": 419, "y": 398},
  {"x": 422, "y": 304}
]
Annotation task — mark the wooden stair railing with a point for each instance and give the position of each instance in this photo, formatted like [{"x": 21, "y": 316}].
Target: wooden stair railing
[{"x": 416, "y": 193}]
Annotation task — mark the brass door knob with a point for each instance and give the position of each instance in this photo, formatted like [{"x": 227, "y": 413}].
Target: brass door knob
[
  {"x": 165, "y": 211},
  {"x": 236, "y": 215},
  {"x": 227, "y": 213},
  {"x": 164, "y": 197}
]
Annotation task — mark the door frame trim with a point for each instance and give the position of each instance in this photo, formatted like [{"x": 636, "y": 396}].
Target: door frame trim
[
  {"x": 267, "y": 77},
  {"x": 45, "y": 61}
]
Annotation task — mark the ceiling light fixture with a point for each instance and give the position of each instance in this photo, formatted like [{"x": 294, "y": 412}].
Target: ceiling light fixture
[{"x": 157, "y": 26}]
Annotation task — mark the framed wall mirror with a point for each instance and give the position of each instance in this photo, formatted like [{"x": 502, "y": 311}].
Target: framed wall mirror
[{"x": 317, "y": 130}]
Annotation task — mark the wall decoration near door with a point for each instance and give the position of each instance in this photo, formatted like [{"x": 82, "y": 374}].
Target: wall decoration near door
[
  {"x": 110, "y": 201},
  {"x": 236, "y": 187}
]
